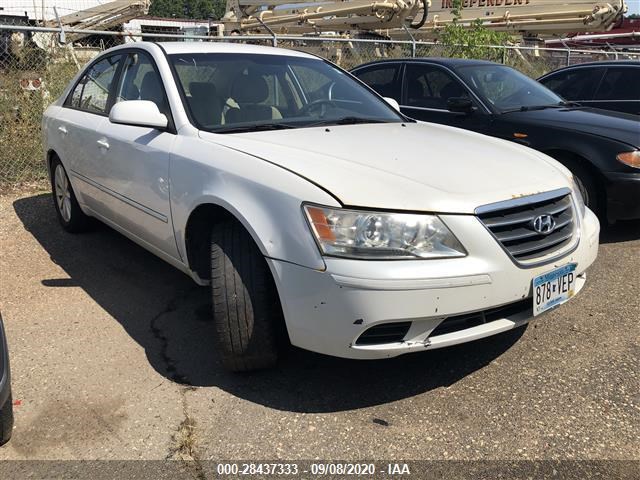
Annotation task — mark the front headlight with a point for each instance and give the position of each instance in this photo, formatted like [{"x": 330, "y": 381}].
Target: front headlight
[
  {"x": 381, "y": 235},
  {"x": 577, "y": 194},
  {"x": 630, "y": 158}
]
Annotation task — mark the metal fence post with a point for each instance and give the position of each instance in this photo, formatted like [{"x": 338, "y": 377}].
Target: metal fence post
[
  {"x": 413, "y": 41},
  {"x": 568, "y": 57},
  {"x": 61, "y": 34},
  {"x": 274, "y": 38},
  {"x": 504, "y": 55}
]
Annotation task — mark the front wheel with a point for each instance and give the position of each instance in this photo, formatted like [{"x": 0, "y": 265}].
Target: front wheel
[
  {"x": 6, "y": 420},
  {"x": 246, "y": 308},
  {"x": 588, "y": 184},
  {"x": 69, "y": 213}
]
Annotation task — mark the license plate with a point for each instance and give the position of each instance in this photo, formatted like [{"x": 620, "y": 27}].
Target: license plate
[{"x": 553, "y": 288}]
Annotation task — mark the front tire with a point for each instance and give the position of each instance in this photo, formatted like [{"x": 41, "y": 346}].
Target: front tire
[
  {"x": 588, "y": 184},
  {"x": 246, "y": 307},
  {"x": 6, "y": 420},
  {"x": 69, "y": 213}
]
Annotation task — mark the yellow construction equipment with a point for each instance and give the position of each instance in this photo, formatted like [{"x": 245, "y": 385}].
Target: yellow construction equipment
[{"x": 425, "y": 17}]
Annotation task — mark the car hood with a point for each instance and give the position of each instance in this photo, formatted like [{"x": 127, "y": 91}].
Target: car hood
[
  {"x": 619, "y": 126},
  {"x": 420, "y": 166}
]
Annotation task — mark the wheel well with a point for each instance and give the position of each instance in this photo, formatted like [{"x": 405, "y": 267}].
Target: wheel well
[
  {"x": 198, "y": 236},
  {"x": 569, "y": 158},
  {"x": 51, "y": 154}
]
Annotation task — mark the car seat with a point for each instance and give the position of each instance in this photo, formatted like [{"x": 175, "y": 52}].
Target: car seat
[
  {"x": 249, "y": 91},
  {"x": 205, "y": 104}
]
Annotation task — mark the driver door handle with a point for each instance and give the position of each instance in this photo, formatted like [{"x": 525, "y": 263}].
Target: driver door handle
[
  {"x": 62, "y": 129},
  {"x": 103, "y": 143}
]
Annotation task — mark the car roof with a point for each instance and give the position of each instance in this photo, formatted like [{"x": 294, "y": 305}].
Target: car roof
[
  {"x": 228, "y": 47},
  {"x": 635, "y": 63},
  {"x": 603, "y": 63},
  {"x": 449, "y": 62}
]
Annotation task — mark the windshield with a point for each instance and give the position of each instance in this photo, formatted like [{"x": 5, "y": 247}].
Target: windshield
[
  {"x": 229, "y": 93},
  {"x": 507, "y": 89}
]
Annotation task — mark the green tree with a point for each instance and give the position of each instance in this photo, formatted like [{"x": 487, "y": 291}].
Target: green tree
[
  {"x": 199, "y": 9},
  {"x": 471, "y": 41}
]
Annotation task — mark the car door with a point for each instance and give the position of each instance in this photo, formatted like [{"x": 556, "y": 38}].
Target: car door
[
  {"x": 619, "y": 90},
  {"x": 426, "y": 91},
  {"x": 76, "y": 126},
  {"x": 134, "y": 160},
  {"x": 578, "y": 84}
]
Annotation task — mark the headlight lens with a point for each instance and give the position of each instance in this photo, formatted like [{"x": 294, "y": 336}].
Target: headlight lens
[
  {"x": 381, "y": 235},
  {"x": 630, "y": 158},
  {"x": 578, "y": 196}
]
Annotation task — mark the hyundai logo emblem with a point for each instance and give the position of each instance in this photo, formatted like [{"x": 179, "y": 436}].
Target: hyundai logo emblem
[{"x": 544, "y": 224}]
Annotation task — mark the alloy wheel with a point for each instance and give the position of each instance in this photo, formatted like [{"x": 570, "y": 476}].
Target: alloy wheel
[{"x": 62, "y": 193}]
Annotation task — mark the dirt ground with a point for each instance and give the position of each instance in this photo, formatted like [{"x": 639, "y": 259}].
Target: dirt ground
[{"x": 112, "y": 360}]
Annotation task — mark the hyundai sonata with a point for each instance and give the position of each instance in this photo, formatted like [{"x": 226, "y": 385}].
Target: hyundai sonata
[{"x": 315, "y": 210}]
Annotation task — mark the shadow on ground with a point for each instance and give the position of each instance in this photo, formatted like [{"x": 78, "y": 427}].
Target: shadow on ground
[{"x": 168, "y": 315}]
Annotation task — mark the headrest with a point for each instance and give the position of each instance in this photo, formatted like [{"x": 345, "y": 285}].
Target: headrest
[
  {"x": 151, "y": 89},
  {"x": 250, "y": 89},
  {"x": 203, "y": 90}
]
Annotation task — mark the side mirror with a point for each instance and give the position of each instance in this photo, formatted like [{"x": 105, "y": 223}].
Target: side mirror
[
  {"x": 460, "y": 105},
  {"x": 141, "y": 113},
  {"x": 393, "y": 102}
]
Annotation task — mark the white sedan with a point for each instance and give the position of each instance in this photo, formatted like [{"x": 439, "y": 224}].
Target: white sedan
[{"x": 318, "y": 214}]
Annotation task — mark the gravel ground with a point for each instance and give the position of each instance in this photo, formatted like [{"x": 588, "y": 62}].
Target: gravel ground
[{"x": 112, "y": 360}]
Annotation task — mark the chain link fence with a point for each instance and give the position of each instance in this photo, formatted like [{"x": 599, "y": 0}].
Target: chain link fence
[{"x": 37, "y": 63}]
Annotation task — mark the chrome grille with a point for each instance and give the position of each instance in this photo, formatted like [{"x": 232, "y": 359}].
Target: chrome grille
[{"x": 512, "y": 224}]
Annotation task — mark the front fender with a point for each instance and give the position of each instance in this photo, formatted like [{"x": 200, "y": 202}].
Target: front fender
[
  {"x": 600, "y": 152},
  {"x": 265, "y": 198}
]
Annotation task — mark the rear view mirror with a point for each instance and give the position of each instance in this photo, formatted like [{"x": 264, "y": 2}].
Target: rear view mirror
[
  {"x": 141, "y": 113},
  {"x": 393, "y": 102},
  {"x": 460, "y": 105}
]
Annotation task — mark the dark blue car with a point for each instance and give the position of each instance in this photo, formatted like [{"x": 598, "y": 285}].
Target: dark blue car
[
  {"x": 600, "y": 147},
  {"x": 611, "y": 85},
  {"x": 6, "y": 405}
]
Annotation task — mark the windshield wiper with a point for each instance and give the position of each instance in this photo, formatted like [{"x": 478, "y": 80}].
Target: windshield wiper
[
  {"x": 345, "y": 121},
  {"x": 285, "y": 126},
  {"x": 255, "y": 128},
  {"x": 544, "y": 107},
  {"x": 530, "y": 108}
]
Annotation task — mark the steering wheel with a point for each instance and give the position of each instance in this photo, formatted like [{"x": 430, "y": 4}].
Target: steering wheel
[{"x": 322, "y": 102}]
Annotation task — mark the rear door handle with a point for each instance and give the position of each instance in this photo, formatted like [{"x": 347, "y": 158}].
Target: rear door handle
[
  {"x": 62, "y": 129},
  {"x": 103, "y": 143}
]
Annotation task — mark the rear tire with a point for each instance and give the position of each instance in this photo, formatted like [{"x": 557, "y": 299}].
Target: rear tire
[
  {"x": 6, "y": 421},
  {"x": 69, "y": 213},
  {"x": 246, "y": 307}
]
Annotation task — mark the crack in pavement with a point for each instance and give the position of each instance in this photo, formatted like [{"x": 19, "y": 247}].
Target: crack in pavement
[
  {"x": 172, "y": 306},
  {"x": 184, "y": 439}
]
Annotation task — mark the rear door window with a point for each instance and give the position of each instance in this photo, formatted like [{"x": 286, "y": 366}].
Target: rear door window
[{"x": 92, "y": 92}]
